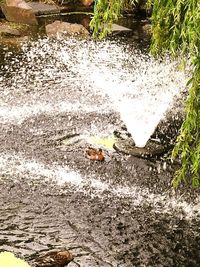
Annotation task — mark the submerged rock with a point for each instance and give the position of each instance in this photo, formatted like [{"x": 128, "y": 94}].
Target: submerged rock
[
  {"x": 117, "y": 29},
  {"x": 59, "y": 27},
  {"x": 16, "y": 33}
]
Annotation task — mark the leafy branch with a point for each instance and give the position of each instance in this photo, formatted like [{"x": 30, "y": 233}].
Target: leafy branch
[
  {"x": 176, "y": 30},
  {"x": 106, "y": 13}
]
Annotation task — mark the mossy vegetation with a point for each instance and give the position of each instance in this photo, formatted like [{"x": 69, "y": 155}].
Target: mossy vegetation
[{"x": 175, "y": 31}]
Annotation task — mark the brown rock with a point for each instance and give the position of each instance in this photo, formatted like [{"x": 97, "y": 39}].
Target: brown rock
[
  {"x": 87, "y": 2},
  {"x": 7, "y": 30},
  {"x": 19, "y": 11},
  {"x": 65, "y": 28}
]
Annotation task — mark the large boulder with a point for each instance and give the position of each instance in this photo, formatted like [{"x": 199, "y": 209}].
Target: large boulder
[
  {"x": 18, "y": 11},
  {"x": 60, "y": 27}
]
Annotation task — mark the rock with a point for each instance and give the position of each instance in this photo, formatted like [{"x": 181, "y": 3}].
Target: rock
[
  {"x": 117, "y": 29},
  {"x": 152, "y": 148},
  {"x": 44, "y": 9},
  {"x": 14, "y": 41},
  {"x": 59, "y": 27},
  {"x": 94, "y": 154},
  {"x": 87, "y": 2},
  {"x": 18, "y": 11},
  {"x": 7, "y": 30},
  {"x": 147, "y": 28},
  {"x": 19, "y": 32}
]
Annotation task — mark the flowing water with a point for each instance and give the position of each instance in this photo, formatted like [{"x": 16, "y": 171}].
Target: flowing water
[{"x": 52, "y": 86}]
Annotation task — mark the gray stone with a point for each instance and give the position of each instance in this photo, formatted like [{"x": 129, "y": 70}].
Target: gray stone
[
  {"x": 18, "y": 11},
  {"x": 151, "y": 149},
  {"x": 119, "y": 29},
  {"x": 43, "y": 9},
  {"x": 59, "y": 27}
]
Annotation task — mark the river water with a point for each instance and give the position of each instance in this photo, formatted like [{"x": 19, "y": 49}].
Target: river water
[{"x": 120, "y": 212}]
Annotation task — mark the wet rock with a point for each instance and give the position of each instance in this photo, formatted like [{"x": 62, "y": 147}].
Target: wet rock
[
  {"x": 152, "y": 148},
  {"x": 19, "y": 11},
  {"x": 59, "y": 27},
  {"x": 7, "y": 30},
  {"x": 14, "y": 41}
]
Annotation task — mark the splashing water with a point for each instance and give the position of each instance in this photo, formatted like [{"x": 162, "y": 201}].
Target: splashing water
[
  {"x": 144, "y": 94},
  {"x": 137, "y": 86},
  {"x": 90, "y": 76},
  {"x": 162, "y": 203},
  {"x": 141, "y": 88}
]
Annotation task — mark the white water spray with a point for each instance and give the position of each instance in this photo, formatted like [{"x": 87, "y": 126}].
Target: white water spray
[
  {"x": 142, "y": 96},
  {"x": 140, "y": 88},
  {"x": 32, "y": 169}
]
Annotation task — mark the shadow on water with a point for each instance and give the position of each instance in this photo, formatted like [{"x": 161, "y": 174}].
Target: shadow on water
[{"x": 120, "y": 212}]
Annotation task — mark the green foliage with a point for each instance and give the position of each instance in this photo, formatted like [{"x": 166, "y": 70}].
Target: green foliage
[
  {"x": 107, "y": 12},
  {"x": 176, "y": 26},
  {"x": 176, "y": 29},
  {"x": 188, "y": 142}
]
